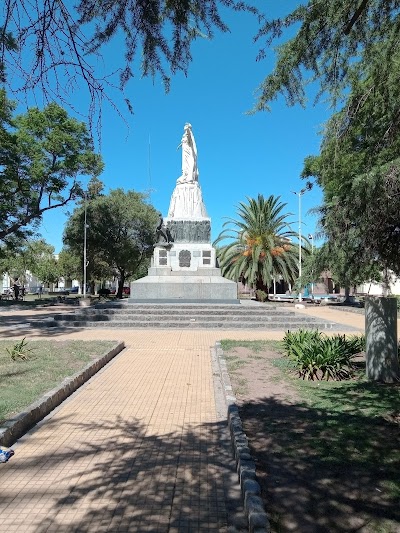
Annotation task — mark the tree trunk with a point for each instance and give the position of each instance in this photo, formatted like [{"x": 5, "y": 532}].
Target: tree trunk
[
  {"x": 381, "y": 355},
  {"x": 346, "y": 294},
  {"x": 121, "y": 281}
]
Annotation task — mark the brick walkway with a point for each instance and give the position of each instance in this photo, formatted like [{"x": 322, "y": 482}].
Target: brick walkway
[{"x": 138, "y": 448}]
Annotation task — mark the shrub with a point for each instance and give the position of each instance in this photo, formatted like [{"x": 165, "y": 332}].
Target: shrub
[
  {"x": 20, "y": 350},
  {"x": 298, "y": 338},
  {"x": 317, "y": 356},
  {"x": 261, "y": 295},
  {"x": 356, "y": 343}
]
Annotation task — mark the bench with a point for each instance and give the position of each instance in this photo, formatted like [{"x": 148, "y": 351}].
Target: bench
[{"x": 7, "y": 296}]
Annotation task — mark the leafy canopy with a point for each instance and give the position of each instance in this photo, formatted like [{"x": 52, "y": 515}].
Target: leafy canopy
[
  {"x": 66, "y": 40},
  {"x": 358, "y": 170},
  {"x": 332, "y": 42},
  {"x": 35, "y": 256},
  {"x": 42, "y": 158},
  {"x": 120, "y": 234},
  {"x": 260, "y": 247}
]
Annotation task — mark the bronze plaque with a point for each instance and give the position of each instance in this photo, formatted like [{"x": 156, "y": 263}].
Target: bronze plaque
[{"x": 184, "y": 258}]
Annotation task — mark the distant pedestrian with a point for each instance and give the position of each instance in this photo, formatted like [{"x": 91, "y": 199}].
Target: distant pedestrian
[{"x": 16, "y": 288}]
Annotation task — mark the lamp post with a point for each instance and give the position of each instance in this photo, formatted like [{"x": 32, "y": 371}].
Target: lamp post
[
  {"x": 299, "y": 194},
  {"x": 84, "y": 248},
  {"x": 311, "y": 238}
]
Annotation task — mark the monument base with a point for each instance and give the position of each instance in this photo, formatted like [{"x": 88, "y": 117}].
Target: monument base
[{"x": 204, "y": 285}]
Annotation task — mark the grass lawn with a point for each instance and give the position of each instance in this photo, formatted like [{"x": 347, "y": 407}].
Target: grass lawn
[
  {"x": 25, "y": 381},
  {"x": 328, "y": 454}
]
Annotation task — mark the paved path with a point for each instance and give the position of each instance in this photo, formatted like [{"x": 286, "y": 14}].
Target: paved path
[{"x": 139, "y": 448}]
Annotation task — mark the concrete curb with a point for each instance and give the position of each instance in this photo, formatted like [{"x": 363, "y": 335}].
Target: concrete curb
[
  {"x": 245, "y": 466},
  {"x": 14, "y": 428}
]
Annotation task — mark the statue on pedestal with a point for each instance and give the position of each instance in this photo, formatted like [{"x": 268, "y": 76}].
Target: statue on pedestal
[
  {"x": 186, "y": 200},
  {"x": 162, "y": 233},
  {"x": 190, "y": 172}
]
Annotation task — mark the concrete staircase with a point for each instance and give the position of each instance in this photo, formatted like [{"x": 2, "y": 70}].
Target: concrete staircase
[{"x": 188, "y": 316}]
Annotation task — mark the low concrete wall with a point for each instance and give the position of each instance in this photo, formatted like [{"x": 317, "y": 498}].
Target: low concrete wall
[
  {"x": 245, "y": 466},
  {"x": 14, "y": 428}
]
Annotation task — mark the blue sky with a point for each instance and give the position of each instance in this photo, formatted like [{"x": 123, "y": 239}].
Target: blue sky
[{"x": 239, "y": 155}]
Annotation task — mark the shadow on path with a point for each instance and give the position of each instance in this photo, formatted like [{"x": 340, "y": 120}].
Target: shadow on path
[{"x": 123, "y": 478}]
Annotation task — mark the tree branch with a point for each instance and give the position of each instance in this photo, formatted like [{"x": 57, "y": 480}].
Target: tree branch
[{"x": 355, "y": 17}]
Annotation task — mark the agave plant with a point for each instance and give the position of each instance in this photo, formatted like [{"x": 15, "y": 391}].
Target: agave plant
[
  {"x": 260, "y": 247},
  {"x": 319, "y": 357},
  {"x": 20, "y": 350}
]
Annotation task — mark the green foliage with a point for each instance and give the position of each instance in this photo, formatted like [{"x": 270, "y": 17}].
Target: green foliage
[
  {"x": 317, "y": 356},
  {"x": 120, "y": 235},
  {"x": 356, "y": 343},
  {"x": 55, "y": 361},
  {"x": 298, "y": 338},
  {"x": 37, "y": 256},
  {"x": 358, "y": 167},
  {"x": 261, "y": 296},
  {"x": 260, "y": 247},
  {"x": 70, "y": 265},
  {"x": 330, "y": 43},
  {"x": 44, "y": 156},
  {"x": 20, "y": 350},
  {"x": 58, "y": 41},
  {"x": 341, "y": 258}
]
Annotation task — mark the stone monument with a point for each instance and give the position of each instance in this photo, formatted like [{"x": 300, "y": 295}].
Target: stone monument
[{"x": 183, "y": 266}]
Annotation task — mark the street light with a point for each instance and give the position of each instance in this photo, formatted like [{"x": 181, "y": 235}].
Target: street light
[
  {"x": 311, "y": 238},
  {"x": 299, "y": 194},
  {"x": 84, "y": 248}
]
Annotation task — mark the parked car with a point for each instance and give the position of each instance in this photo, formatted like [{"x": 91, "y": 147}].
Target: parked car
[{"x": 73, "y": 290}]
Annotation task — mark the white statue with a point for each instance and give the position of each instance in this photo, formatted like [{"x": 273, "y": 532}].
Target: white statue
[
  {"x": 186, "y": 200},
  {"x": 190, "y": 172}
]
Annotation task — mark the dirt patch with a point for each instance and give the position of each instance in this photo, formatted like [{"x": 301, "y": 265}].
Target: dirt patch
[
  {"x": 320, "y": 470},
  {"x": 255, "y": 377}
]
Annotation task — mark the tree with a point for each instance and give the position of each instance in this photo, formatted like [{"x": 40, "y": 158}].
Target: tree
[
  {"x": 331, "y": 43},
  {"x": 66, "y": 41},
  {"x": 341, "y": 261},
  {"x": 42, "y": 161},
  {"x": 358, "y": 169},
  {"x": 120, "y": 234},
  {"x": 69, "y": 265},
  {"x": 35, "y": 256},
  {"x": 260, "y": 247}
]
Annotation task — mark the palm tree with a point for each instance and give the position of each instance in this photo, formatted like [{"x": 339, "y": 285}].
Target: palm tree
[{"x": 260, "y": 248}]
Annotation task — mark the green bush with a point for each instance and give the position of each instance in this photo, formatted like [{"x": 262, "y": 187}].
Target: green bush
[
  {"x": 293, "y": 339},
  {"x": 20, "y": 350},
  {"x": 317, "y": 356},
  {"x": 261, "y": 295}
]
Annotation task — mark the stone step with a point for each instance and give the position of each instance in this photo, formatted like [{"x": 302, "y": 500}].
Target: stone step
[
  {"x": 185, "y": 312},
  {"x": 155, "y": 318},
  {"x": 184, "y": 307},
  {"x": 195, "y": 324}
]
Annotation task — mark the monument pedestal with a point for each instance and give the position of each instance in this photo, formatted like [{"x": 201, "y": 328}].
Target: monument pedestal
[
  {"x": 164, "y": 285},
  {"x": 184, "y": 273}
]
